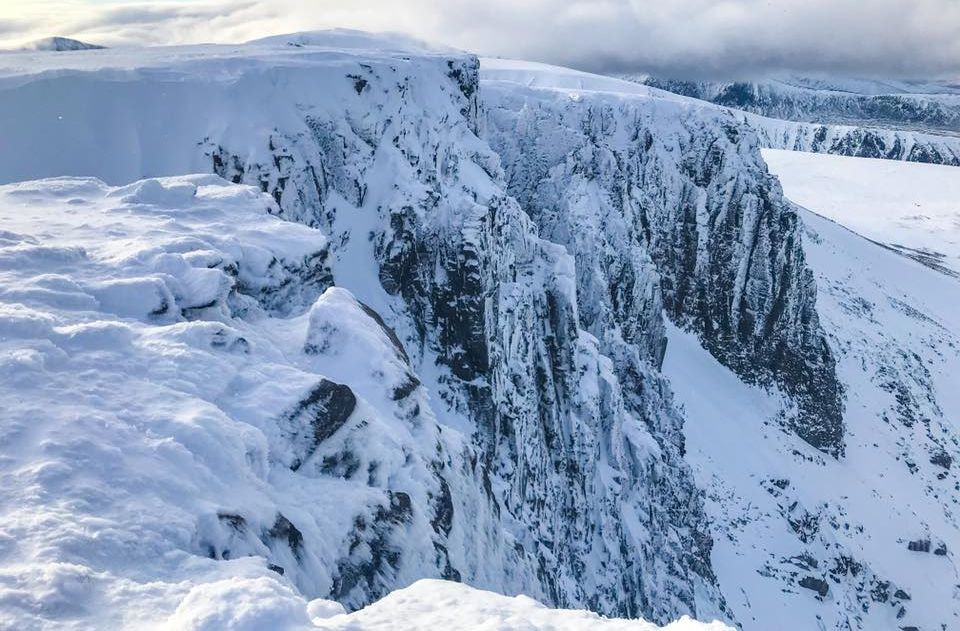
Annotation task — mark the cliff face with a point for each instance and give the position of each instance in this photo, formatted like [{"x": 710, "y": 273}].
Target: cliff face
[
  {"x": 857, "y": 141},
  {"x": 633, "y": 183},
  {"x": 575, "y": 448},
  {"x": 882, "y": 104},
  {"x": 480, "y": 397}
]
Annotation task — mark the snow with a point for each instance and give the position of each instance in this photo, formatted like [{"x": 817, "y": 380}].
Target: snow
[
  {"x": 431, "y": 604},
  {"x": 911, "y": 206},
  {"x": 427, "y": 604},
  {"x": 160, "y": 337},
  {"x": 894, "y": 327},
  {"x": 114, "y": 442},
  {"x": 146, "y": 112},
  {"x": 141, "y": 389},
  {"x": 545, "y": 76}
]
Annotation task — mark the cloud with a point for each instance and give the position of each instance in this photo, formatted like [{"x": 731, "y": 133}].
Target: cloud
[{"x": 684, "y": 38}]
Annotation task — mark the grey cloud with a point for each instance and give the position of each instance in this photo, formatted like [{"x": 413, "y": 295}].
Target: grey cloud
[{"x": 685, "y": 38}]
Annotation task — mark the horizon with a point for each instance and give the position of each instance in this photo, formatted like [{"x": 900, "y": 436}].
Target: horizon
[{"x": 681, "y": 39}]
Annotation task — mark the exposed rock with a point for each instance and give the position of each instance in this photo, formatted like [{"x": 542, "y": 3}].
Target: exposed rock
[
  {"x": 679, "y": 211},
  {"x": 324, "y": 410},
  {"x": 815, "y": 584},
  {"x": 284, "y": 530}
]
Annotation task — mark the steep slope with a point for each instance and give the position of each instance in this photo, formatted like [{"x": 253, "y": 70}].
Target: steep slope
[
  {"x": 196, "y": 423},
  {"x": 620, "y": 178},
  {"x": 866, "y": 542},
  {"x": 533, "y": 465},
  {"x": 855, "y": 141}
]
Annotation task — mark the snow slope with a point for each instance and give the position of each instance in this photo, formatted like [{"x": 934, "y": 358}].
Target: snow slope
[
  {"x": 876, "y": 532},
  {"x": 538, "y": 75},
  {"x": 912, "y": 207}
]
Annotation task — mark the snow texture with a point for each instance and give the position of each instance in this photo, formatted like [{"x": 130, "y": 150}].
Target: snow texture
[
  {"x": 145, "y": 467},
  {"x": 866, "y": 542},
  {"x": 425, "y": 318},
  {"x": 914, "y": 208}
]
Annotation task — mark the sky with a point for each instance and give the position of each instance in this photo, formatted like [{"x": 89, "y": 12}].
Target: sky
[{"x": 722, "y": 39}]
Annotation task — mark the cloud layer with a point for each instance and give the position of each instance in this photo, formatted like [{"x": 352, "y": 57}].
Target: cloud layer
[{"x": 687, "y": 38}]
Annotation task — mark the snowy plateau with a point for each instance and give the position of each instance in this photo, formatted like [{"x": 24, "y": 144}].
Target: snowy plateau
[{"x": 341, "y": 331}]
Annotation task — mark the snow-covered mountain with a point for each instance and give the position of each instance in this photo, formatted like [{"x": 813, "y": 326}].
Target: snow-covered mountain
[
  {"x": 875, "y": 554},
  {"x": 917, "y": 106},
  {"x": 913, "y": 121},
  {"x": 427, "y": 316},
  {"x": 60, "y": 44}
]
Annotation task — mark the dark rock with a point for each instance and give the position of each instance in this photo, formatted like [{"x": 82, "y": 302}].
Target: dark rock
[
  {"x": 324, "y": 410},
  {"x": 284, "y": 530},
  {"x": 815, "y": 584},
  {"x": 919, "y": 545},
  {"x": 942, "y": 459},
  {"x": 390, "y": 333},
  {"x": 236, "y": 522},
  {"x": 406, "y": 388}
]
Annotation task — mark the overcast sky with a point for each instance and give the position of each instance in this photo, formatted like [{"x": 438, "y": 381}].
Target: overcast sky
[{"x": 707, "y": 38}]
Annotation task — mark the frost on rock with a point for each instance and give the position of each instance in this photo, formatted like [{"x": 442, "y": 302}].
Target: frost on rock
[{"x": 658, "y": 198}]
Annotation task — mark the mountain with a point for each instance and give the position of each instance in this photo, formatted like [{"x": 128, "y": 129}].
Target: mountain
[
  {"x": 916, "y": 106},
  {"x": 914, "y": 121},
  {"x": 60, "y": 44},
  {"x": 420, "y": 315}
]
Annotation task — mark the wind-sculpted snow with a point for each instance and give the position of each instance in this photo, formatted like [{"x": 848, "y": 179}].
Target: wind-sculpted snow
[
  {"x": 164, "y": 428},
  {"x": 427, "y": 604},
  {"x": 621, "y": 179}
]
